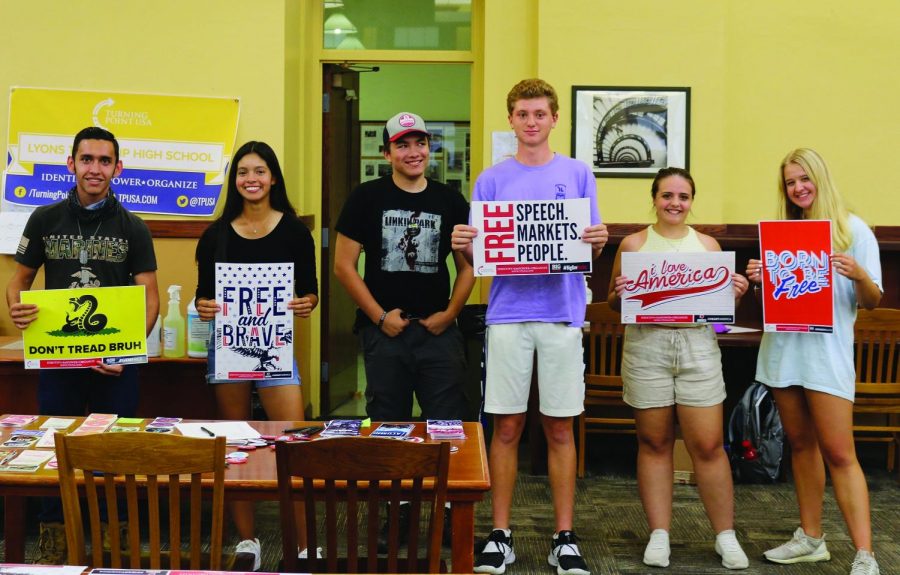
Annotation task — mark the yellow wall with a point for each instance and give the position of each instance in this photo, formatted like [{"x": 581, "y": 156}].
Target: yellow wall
[{"x": 765, "y": 77}]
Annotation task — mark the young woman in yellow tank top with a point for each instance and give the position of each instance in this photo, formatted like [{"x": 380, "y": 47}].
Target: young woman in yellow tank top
[{"x": 669, "y": 369}]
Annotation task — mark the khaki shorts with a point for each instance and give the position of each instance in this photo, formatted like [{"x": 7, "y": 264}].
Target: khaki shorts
[
  {"x": 560, "y": 363},
  {"x": 663, "y": 366}
]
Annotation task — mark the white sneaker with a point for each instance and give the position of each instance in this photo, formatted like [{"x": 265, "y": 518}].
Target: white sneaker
[
  {"x": 303, "y": 554},
  {"x": 727, "y": 546},
  {"x": 565, "y": 555},
  {"x": 657, "y": 552},
  {"x": 864, "y": 564},
  {"x": 248, "y": 551},
  {"x": 497, "y": 553},
  {"x": 800, "y": 549}
]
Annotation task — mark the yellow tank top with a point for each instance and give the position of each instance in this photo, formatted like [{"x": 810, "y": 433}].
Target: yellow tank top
[{"x": 657, "y": 243}]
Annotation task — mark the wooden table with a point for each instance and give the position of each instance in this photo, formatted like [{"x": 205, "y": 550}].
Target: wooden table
[{"x": 257, "y": 481}]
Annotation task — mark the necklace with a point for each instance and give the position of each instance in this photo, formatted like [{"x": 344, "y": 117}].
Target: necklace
[
  {"x": 255, "y": 226},
  {"x": 676, "y": 243},
  {"x": 83, "y": 254}
]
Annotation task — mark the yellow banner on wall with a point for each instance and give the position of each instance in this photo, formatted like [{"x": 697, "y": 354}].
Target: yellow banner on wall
[
  {"x": 85, "y": 327},
  {"x": 175, "y": 150}
]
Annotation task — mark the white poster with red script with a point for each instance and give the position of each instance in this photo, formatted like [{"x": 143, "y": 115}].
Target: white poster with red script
[
  {"x": 672, "y": 287},
  {"x": 531, "y": 237}
]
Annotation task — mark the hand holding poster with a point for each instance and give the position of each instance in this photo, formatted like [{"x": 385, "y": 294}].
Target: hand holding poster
[
  {"x": 85, "y": 327},
  {"x": 255, "y": 328},
  {"x": 531, "y": 237},
  {"x": 678, "y": 287},
  {"x": 796, "y": 276}
]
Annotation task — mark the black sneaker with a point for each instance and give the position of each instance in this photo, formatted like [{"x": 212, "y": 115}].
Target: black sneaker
[
  {"x": 565, "y": 556},
  {"x": 386, "y": 526},
  {"x": 497, "y": 553}
]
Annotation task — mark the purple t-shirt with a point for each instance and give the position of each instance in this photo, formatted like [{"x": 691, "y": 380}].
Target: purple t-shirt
[{"x": 550, "y": 298}]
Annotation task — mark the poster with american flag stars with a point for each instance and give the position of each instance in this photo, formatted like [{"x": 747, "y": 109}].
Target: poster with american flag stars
[{"x": 254, "y": 327}]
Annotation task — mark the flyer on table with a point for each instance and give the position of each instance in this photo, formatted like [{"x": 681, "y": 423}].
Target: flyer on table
[
  {"x": 254, "y": 328},
  {"x": 797, "y": 289},
  {"x": 175, "y": 150},
  {"x": 673, "y": 287},
  {"x": 84, "y": 327},
  {"x": 531, "y": 237}
]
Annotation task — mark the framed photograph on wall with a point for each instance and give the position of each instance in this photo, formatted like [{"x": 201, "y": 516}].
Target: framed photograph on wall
[
  {"x": 631, "y": 131},
  {"x": 370, "y": 143}
]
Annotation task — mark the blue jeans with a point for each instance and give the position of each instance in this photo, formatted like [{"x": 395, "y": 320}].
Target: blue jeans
[{"x": 77, "y": 392}]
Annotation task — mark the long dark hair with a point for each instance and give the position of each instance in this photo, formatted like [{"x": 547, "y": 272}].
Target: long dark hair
[{"x": 278, "y": 199}]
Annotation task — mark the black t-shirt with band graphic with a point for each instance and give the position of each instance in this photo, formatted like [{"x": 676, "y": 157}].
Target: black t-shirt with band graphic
[{"x": 406, "y": 238}]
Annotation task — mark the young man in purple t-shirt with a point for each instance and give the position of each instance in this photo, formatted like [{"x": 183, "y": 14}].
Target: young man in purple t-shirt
[{"x": 528, "y": 314}]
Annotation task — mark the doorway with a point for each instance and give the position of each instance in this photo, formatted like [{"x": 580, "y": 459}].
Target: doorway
[{"x": 358, "y": 99}]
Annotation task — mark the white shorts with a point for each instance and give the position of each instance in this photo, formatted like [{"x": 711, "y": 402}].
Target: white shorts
[{"x": 510, "y": 358}]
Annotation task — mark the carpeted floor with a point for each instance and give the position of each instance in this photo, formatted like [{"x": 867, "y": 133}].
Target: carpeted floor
[{"x": 610, "y": 522}]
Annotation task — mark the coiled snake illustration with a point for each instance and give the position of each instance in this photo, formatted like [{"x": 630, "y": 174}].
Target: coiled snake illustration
[{"x": 83, "y": 317}]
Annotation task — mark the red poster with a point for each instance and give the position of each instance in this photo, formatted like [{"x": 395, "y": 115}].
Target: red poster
[{"x": 797, "y": 279}]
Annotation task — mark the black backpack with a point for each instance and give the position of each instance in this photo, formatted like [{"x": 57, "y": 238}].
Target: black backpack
[{"x": 755, "y": 437}]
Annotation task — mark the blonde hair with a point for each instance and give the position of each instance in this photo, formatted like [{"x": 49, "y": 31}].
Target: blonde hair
[
  {"x": 828, "y": 203},
  {"x": 530, "y": 89}
]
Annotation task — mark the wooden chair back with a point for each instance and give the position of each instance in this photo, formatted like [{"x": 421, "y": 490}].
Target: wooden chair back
[
  {"x": 365, "y": 473},
  {"x": 877, "y": 357},
  {"x": 605, "y": 412},
  {"x": 137, "y": 462}
]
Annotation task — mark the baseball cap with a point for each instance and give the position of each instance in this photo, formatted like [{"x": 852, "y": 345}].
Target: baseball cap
[{"x": 402, "y": 124}]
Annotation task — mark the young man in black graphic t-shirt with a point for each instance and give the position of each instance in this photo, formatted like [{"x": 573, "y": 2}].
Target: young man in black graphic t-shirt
[{"x": 407, "y": 312}]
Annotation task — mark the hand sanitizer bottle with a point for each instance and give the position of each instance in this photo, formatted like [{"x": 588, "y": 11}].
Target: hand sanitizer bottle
[
  {"x": 197, "y": 331},
  {"x": 173, "y": 325}
]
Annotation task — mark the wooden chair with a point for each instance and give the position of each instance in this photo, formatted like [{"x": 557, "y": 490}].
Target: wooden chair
[
  {"x": 364, "y": 472},
  {"x": 877, "y": 405},
  {"x": 605, "y": 412},
  {"x": 133, "y": 455}
]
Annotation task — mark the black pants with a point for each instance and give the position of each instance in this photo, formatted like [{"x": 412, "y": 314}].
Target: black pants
[{"x": 433, "y": 367}]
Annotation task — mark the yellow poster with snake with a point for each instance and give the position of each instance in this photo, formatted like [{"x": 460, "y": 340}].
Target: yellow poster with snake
[{"x": 86, "y": 327}]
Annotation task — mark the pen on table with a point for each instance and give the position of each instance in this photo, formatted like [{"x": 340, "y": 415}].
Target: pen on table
[
  {"x": 208, "y": 432},
  {"x": 308, "y": 430}
]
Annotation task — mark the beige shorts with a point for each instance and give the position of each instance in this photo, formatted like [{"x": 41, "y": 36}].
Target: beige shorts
[
  {"x": 662, "y": 366},
  {"x": 560, "y": 363}
]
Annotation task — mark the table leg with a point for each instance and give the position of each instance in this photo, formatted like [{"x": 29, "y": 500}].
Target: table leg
[
  {"x": 462, "y": 554},
  {"x": 14, "y": 528}
]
